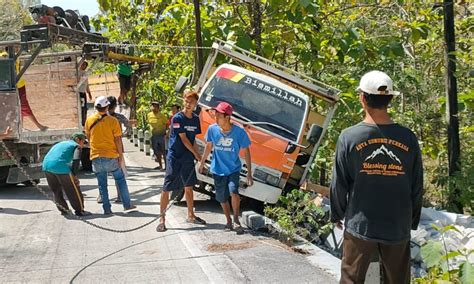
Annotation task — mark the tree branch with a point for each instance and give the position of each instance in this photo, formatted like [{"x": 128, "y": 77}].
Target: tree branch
[{"x": 326, "y": 16}]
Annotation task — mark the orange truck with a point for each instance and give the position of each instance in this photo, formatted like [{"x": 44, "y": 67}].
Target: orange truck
[{"x": 285, "y": 114}]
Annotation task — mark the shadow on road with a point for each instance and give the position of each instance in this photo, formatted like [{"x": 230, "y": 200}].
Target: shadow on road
[{"x": 14, "y": 211}]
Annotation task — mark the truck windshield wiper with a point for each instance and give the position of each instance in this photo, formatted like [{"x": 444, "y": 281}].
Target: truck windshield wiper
[{"x": 270, "y": 124}]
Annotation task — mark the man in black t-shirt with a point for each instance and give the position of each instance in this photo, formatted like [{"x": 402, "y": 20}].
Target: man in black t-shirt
[
  {"x": 377, "y": 187},
  {"x": 182, "y": 152}
]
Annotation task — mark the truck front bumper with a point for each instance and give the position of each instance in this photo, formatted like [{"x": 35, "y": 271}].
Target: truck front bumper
[{"x": 259, "y": 191}]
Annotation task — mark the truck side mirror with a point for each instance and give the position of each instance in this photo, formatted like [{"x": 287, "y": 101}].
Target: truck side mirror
[
  {"x": 181, "y": 84},
  {"x": 314, "y": 133}
]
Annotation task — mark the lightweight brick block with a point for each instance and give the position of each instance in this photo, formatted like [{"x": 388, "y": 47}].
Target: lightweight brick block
[{"x": 253, "y": 220}]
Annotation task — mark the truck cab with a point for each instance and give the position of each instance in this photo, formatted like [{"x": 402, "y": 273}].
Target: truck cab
[{"x": 277, "y": 110}]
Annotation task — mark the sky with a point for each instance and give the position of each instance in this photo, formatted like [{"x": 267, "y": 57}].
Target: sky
[{"x": 85, "y": 7}]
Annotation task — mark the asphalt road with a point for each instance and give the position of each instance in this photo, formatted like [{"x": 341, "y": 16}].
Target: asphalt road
[{"x": 39, "y": 245}]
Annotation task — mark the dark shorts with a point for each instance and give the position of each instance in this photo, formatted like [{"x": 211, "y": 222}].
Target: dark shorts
[
  {"x": 83, "y": 99},
  {"x": 158, "y": 144},
  {"x": 179, "y": 173},
  {"x": 225, "y": 185},
  {"x": 125, "y": 82}
]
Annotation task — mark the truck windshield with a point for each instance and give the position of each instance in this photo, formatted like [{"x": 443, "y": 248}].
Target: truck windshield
[{"x": 254, "y": 100}]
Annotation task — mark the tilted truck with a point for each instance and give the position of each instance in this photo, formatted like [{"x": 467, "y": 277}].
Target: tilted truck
[
  {"x": 285, "y": 114},
  {"x": 51, "y": 81}
]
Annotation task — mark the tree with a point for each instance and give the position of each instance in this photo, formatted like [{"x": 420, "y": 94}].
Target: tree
[
  {"x": 13, "y": 17},
  {"x": 333, "y": 42}
]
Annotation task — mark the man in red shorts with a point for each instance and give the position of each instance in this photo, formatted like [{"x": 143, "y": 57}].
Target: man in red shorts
[{"x": 25, "y": 106}]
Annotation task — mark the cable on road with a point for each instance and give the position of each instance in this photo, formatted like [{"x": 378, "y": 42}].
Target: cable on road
[{"x": 81, "y": 218}]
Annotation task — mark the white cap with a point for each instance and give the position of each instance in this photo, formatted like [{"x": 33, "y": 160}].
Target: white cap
[
  {"x": 101, "y": 101},
  {"x": 373, "y": 80}
]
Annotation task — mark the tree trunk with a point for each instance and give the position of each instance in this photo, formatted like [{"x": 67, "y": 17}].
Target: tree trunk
[
  {"x": 255, "y": 13},
  {"x": 452, "y": 105},
  {"x": 199, "y": 58}
]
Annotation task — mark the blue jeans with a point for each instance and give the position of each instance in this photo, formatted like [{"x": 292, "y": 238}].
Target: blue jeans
[{"x": 102, "y": 166}]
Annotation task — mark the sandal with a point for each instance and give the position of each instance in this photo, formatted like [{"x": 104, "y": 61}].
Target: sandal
[
  {"x": 161, "y": 227},
  {"x": 196, "y": 220},
  {"x": 238, "y": 229},
  {"x": 228, "y": 227}
]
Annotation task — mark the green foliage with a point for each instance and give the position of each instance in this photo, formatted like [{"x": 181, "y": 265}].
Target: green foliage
[
  {"x": 335, "y": 42},
  {"x": 297, "y": 214},
  {"x": 432, "y": 253},
  {"x": 439, "y": 262},
  {"x": 13, "y": 16},
  {"x": 466, "y": 272}
]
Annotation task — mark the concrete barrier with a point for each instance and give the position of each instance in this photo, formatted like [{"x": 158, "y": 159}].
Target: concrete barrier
[
  {"x": 141, "y": 140},
  {"x": 147, "y": 142},
  {"x": 135, "y": 136}
]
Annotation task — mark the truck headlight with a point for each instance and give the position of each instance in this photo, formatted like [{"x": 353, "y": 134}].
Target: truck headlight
[
  {"x": 273, "y": 180},
  {"x": 262, "y": 176}
]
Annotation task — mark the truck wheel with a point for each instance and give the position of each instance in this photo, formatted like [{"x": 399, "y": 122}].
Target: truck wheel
[
  {"x": 252, "y": 204},
  {"x": 177, "y": 195}
]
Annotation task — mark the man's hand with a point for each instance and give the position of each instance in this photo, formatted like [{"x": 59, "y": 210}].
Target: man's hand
[
  {"x": 249, "y": 180},
  {"x": 197, "y": 156},
  {"x": 339, "y": 225},
  {"x": 201, "y": 167}
]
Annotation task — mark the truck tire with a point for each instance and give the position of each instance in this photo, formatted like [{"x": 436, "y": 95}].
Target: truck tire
[{"x": 252, "y": 204}]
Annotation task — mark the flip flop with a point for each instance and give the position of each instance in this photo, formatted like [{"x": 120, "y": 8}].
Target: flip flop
[
  {"x": 238, "y": 229},
  {"x": 196, "y": 220},
  {"x": 161, "y": 227},
  {"x": 228, "y": 227}
]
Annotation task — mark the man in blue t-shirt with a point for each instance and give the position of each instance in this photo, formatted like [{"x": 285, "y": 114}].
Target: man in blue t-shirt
[
  {"x": 227, "y": 140},
  {"x": 60, "y": 171},
  {"x": 182, "y": 151}
]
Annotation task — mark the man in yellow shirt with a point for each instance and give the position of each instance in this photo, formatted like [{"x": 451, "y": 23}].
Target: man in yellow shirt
[
  {"x": 105, "y": 138},
  {"x": 157, "y": 123}
]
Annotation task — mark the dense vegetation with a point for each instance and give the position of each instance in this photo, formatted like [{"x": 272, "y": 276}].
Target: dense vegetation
[{"x": 333, "y": 42}]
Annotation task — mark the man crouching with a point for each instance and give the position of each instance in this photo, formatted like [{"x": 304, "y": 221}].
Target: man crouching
[{"x": 60, "y": 174}]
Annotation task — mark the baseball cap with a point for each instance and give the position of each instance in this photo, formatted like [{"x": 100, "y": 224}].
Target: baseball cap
[
  {"x": 224, "y": 108},
  {"x": 155, "y": 103},
  {"x": 79, "y": 135},
  {"x": 101, "y": 101},
  {"x": 373, "y": 80}
]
